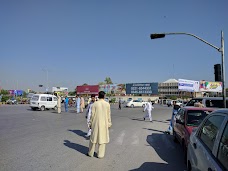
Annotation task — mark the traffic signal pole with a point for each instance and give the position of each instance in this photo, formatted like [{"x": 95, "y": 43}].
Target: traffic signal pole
[{"x": 162, "y": 35}]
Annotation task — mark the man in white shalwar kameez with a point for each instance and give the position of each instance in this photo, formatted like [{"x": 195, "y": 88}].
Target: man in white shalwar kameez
[
  {"x": 148, "y": 108},
  {"x": 88, "y": 114}
]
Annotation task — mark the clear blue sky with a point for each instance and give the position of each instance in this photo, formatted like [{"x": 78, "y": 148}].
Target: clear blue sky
[{"x": 80, "y": 41}]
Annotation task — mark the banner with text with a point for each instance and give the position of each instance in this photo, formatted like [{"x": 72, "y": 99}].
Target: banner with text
[
  {"x": 113, "y": 88},
  {"x": 188, "y": 85},
  {"x": 142, "y": 88},
  {"x": 207, "y": 86}
]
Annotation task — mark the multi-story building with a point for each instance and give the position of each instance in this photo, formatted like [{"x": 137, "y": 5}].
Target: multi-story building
[{"x": 168, "y": 88}]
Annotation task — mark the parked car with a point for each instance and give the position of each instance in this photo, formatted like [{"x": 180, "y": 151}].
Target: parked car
[
  {"x": 208, "y": 146},
  {"x": 136, "y": 103},
  {"x": 213, "y": 102},
  {"x": 178, "y": 102},
  {"x": 185, "y": 120},
  {"x": 11, "y": 101},
  {"x": 43, "y": 101}
]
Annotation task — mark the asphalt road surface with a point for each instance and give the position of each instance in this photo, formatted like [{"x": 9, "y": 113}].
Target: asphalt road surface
[{"x": 41, "y": 141}]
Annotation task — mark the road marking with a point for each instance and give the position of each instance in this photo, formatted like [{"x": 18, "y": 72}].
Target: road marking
[
  {"x": 135, "y": 140},
  {"x": 120, "y": 138}
]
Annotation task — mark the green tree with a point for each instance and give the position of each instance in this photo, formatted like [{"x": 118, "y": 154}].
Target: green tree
[
  {"x": 84, "y": 84},
  {"x": 101, "y": 83},
  {"x": 24, "y": 94},
  {"x": 108, "y": 80},
  {"x": 4, "y": 92},
  {"x": 72, "y": 93}
]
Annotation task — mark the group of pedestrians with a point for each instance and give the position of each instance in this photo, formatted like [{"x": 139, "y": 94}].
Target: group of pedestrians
[{"x": 80, "y": 104}]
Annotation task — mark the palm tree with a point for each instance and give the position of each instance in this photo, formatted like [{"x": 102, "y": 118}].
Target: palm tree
[
  {"x": 108, "y": 80},
  {"x": 101, "y": 83}
]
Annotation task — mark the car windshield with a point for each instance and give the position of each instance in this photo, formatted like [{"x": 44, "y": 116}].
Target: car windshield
[
  {"x": 35, "y": 98},
  {"x": 195, "y": 117}
]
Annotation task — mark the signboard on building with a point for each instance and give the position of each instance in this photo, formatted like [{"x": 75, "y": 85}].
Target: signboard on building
[
  {"x": 188, "y": 85},
  {"x": 206, "y": 86},
  {"x": 113, "y": 88},
  {"x": 142, "y": 88},
  {"x": 88, "y": 89}
]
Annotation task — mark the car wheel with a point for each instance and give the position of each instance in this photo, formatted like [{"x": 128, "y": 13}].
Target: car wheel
[
  {"x": 132, "y": 106},
  {"x": 42, "y": 108},
  {"x": 143, "y": 105},
  {"x": 55, "y": 108},
  {"x": 174, "y": 137}
]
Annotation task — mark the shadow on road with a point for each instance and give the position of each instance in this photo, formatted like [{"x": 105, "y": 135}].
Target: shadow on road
[
  {"x": 79, "y": 133},
  {"x": 151, "y": 166},
  {"x": 154, "y": 130},
  {"x": 170, "y": 152},
  {"x": 160, "y": 121},
  {"x": 137, "y": 119},
  {"x": 80, "y": 148}
]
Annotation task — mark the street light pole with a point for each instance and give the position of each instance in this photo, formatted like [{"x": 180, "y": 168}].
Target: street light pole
[
  {"x": 162, "y": 35},
  {"x": 223, "y": 70}
]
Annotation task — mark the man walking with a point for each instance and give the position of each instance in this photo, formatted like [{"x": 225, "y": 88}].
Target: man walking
[
  {"x": 119, "y": 103},
  {"x": 99, "y": 122},
  {"x": 66, "y": 104},
  {"x": 148, "y": 108},
  {"x": 82, "y": 104},
  {"x": 88, "y": 114},
  {"x": 78, "y": 104},
  {"x": 59, "y": 103}
]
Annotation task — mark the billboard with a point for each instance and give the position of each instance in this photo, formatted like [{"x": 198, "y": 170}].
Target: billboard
[
  {"x": 16, "y": 92},
  {"x": 113, "y": 88},
  {"x": 142, "y": 88},
  {"x": 88, "y": 89},
  {"x": 188, "y": 85},
  {"x": 206, "y": 86}
]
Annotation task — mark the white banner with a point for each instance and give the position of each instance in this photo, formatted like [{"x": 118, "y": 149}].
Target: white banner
[{"x": 188, "y": 85}]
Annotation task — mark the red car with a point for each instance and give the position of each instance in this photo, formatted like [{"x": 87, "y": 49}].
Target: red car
[{"x": 185, "y": 120}]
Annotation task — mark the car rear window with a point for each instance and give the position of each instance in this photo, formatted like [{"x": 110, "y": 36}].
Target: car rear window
[
  {"x": 193, "y": 101},
  {"x": 195, "y": 117},
  {"x": 35, "y": 98}
]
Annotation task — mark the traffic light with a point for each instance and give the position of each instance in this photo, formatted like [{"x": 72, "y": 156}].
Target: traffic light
[
  {"x": 217, "y": 72},
  {"x": 157, "y": 36}
]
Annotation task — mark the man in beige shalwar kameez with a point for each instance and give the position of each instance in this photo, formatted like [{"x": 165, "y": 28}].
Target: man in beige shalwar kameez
[{"x": 100, "y": 122}]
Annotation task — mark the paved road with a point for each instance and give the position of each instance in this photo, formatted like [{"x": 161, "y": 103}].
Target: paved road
[{"x": 41, "y": 141}]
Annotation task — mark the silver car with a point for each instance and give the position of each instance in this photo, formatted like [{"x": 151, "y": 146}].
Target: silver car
[{"x": 208, "y": 146}]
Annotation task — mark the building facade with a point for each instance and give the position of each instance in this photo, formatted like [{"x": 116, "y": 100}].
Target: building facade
[{"x": 168, "y": 88}]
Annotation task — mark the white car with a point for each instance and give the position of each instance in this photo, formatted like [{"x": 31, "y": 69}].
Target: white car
[
  {"x": 136, "y": 103},
  {"x": 43, "y": 101}
]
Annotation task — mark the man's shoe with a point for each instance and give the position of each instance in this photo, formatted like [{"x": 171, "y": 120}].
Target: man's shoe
[{"x": 88, "y": 155}]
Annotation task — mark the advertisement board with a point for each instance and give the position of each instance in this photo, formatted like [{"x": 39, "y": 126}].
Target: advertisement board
[
  {"x": 142, "y": 88},
  {"x": 88, "y": 89},
  {"x": 113, "y": 88},
  {"x": 16, "y": 92},
  {"x": 206, "y": 86},
  {"x": 188, "y": 85}
]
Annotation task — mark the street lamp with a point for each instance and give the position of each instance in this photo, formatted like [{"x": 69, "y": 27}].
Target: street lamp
[{"x": 162, "y": 35}]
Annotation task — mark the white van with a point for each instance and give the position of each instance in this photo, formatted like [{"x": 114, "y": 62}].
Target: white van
[{"x": 43, "y": 101}]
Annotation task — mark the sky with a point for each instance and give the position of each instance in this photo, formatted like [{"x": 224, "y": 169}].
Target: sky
[{"x": 66, "y": 43}]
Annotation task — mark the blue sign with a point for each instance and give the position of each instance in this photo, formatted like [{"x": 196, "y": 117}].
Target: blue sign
[{"x": 142, "y": 88}]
